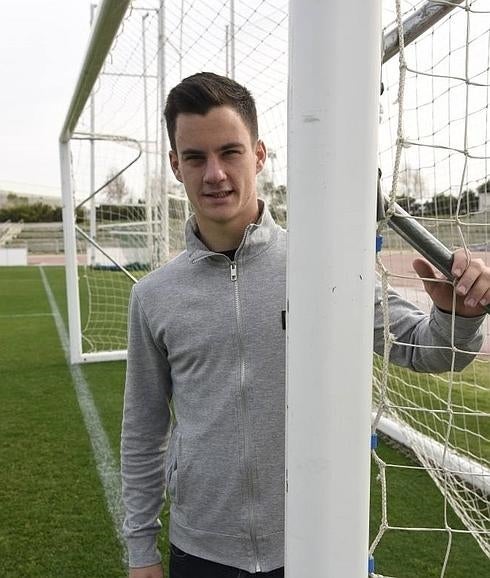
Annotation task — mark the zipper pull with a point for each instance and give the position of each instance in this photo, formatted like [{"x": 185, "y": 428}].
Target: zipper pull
[{"x": 233, "y": 272}]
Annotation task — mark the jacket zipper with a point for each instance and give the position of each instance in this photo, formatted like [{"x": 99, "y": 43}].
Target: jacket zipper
[{"x": 248, "y": 468}]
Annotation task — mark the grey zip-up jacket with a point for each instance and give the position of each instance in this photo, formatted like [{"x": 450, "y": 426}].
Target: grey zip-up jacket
[{"x": 208, "y": 334}]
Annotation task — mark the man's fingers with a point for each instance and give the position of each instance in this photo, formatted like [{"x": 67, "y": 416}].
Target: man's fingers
[
  {"x": 477, "y": 294},
  {"x": 467, "y": 281},
  {"x": 485, "y": 300},
  {"x": 474, "y": 284},
  {"x": 472, "y": 279},
  {"x": 471, "y": 282},
  {"x": 461, "y": 262}
]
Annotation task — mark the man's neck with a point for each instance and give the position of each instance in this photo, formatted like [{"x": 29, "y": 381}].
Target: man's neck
[
  {"x": 224, "y": 237},
  {"x": 220, "y": 238}
]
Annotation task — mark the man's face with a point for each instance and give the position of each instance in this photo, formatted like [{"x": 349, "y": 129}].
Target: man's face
[{"x": 217, "y": 162}]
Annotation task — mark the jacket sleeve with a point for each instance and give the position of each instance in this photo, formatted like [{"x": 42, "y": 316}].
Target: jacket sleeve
[
  {"x": 144, "y": 439},
  {"x": 424, "y": 342}
]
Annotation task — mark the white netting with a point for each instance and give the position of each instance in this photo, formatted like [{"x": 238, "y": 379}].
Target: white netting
[
  {"x": 434, "y": 153},
  {"x": 129, "y": 221}
]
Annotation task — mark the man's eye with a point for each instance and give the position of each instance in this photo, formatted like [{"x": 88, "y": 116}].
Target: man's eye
[
  {"x": 232, "y": 152},
  {"x": 193, "y": 158}
]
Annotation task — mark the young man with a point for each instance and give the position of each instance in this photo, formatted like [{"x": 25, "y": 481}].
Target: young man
[{"x": 206, "y": 333}]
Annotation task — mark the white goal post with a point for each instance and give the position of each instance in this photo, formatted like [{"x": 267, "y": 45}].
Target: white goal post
[
  {"x": 330, "y": 283},
  {"x": 109, "y": 17}
]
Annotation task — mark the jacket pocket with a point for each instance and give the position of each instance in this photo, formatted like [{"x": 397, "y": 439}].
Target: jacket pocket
[{"x": 172, "y": 474}]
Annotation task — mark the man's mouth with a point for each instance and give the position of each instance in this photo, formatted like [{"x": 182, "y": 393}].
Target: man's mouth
[{"x": 217, "y": 194}]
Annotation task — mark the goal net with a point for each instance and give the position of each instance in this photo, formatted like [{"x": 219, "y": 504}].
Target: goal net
[
  {"x": 125, "y": 212},
  {"x": 130, "y": 210},
  {"x": 434, "y": 139}
]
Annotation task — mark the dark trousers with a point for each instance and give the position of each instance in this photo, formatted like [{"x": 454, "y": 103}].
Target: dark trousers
[{"x": 184, "y": 565}]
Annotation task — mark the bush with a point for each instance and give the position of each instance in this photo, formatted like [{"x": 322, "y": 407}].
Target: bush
[{"x": 34, "y": 213}]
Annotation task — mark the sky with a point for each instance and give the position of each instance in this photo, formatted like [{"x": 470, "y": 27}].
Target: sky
[{"x": 42, "y": 45}]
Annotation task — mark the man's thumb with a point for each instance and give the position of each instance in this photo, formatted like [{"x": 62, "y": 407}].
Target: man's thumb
[
  {"x": 424, "y": 269},
  {"x": 426, "y": 272}
]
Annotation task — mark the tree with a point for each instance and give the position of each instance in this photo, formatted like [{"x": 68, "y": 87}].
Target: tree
[
  {"x": 116, "y": 190},
  {"x": 410, "y": 184},
  {"x": 276, "y": 198},
  {"x": 410, "y": 188},
  {"x": 469, "y": 202},
  {"x": 15, "y": 200},
  {"x": 484, "y": 188},
  {"x": 409, "y": 204},
  {"x": 441, "y": 205}
]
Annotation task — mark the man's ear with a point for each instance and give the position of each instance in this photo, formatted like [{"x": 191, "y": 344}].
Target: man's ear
[
  {"x": 260, "y": 155},
  {"x": 174, "y": 163}
]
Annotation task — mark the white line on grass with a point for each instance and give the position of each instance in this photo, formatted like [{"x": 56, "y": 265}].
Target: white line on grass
[
  {"x": 106, "y": 465},
  {"x": 14, "y": 315}
]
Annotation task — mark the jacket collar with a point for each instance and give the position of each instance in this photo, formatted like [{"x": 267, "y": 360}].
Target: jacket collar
[{"x": 257, "y": 237}]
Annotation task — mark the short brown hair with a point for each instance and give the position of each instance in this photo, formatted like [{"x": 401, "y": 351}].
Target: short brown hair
[{"x": 199, "y": 93}]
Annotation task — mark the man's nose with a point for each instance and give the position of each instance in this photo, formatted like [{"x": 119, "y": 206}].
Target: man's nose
[{"x": 214, "y": 171}]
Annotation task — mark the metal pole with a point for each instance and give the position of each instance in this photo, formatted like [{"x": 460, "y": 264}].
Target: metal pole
[
  {"x": 109, "y": 16},
  {"x": 181, "y": 48},
  {"x": 181, "y": 37},
  {"x": 71, "y": 264},
  {"x": 93, "y": 223},
  {"x": 423, "y": 241},
  {"x": 148, "y": 195},
  {"x": 227, "y": 50},
  {"x": 416, "y": 24},
  {"x": 334, "y": 73},
  {"x": 162, "y": 217},
  {"x": 273, "y": 156},
  {"x": 232, "y": 39}
]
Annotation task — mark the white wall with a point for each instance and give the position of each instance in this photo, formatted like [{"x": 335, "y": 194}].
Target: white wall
[{"x": 13, "y": 256}]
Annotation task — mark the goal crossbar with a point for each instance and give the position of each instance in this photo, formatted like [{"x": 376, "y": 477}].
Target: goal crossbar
[
  {"x": 415, "y": 25},
  {"x": 106, "y": 24}
]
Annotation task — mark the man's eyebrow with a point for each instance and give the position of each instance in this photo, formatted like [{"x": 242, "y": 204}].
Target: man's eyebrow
[
  {"x": 225, "y": 147},
  {"x": 232, "y": 145},
  {"x": 191, "y": 152}
]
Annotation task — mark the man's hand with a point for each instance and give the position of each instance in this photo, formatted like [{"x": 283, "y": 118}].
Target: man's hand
[
  {"x": 147, "y": 572},
  {"x": 472, "y": 285}
]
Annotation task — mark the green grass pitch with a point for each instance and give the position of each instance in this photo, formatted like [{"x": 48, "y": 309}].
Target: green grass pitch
[{"x": 53, "y": 517}]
